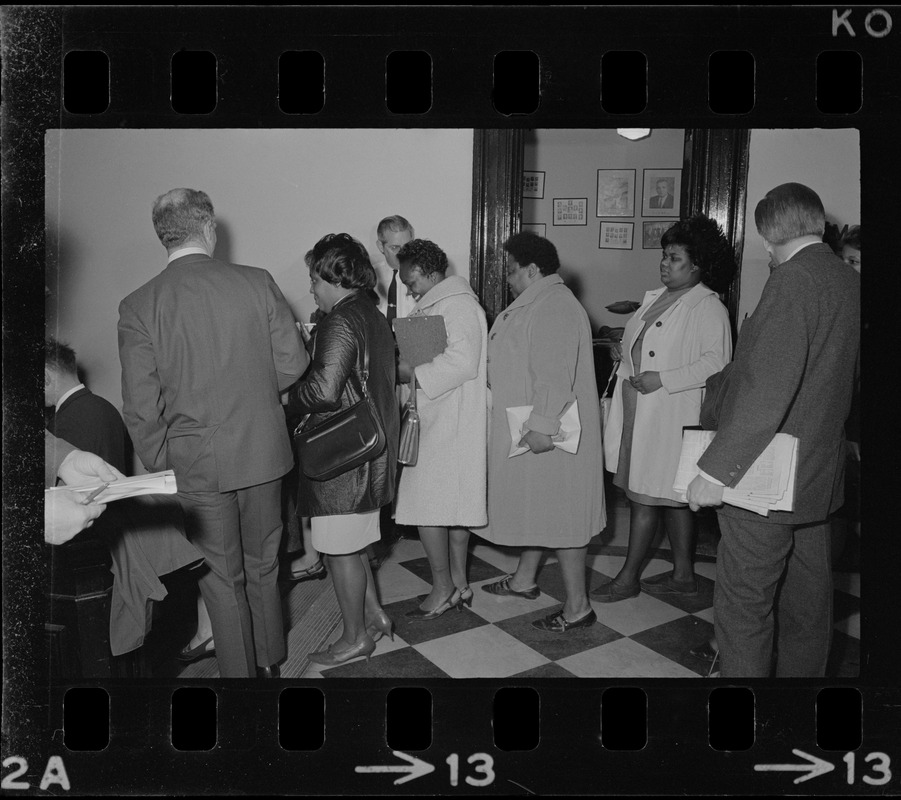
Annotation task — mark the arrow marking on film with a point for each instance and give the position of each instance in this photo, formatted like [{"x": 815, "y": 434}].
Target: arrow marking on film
[
  {"x": 416, "y": 768},
  {"x": 814, "y": 768}
]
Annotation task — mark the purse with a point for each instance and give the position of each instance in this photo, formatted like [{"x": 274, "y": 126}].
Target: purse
[
  {"x": 408, "y": 450},
  {"x": 606, "y": 402},
  {"x": 343, "y": 441}
]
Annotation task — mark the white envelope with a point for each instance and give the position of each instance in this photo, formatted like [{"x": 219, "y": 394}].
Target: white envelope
[{"x": 567, "y": 439}]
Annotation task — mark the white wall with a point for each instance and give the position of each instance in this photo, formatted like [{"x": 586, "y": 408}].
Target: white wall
[
  {"x": 570, "y": 160},
  {"x": 828, "y": 161},
  {"x": 276, "y": 192}
]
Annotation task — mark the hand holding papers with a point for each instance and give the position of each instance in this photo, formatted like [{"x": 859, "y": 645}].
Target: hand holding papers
[
  {"x": 769, "y": 485},
  {"x": 567, "y": 439},
  {"x": 154, "y": 483}
]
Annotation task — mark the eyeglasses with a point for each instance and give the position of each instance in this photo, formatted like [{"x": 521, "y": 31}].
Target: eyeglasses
[{"x": 394, "y": 249}]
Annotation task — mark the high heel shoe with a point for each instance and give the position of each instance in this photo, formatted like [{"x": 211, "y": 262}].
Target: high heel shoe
[
  {"x": 204, "y": 649},
  {"x": 331, "y": 657},
  {"x": 381, "y": 626},
  {"x": 465, "y": 597},
  {"x": 458, "y": 598}
]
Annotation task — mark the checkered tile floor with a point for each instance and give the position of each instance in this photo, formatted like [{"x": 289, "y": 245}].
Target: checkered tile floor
[{"x": 642, "y": 637}]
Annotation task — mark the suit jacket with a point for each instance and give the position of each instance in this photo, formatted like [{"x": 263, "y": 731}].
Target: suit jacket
[
  {"x": 661, "y": 202},
  {"x": 793, "y": 372},
  {"x": 206, "y": 347},
  {"x": 92, "y": 423}
]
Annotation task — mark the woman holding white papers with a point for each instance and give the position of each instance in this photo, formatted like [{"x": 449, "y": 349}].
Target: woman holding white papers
[
  {"x": 540, "y": 355},
  {"x": 677, "y": 338},
  {"x": 444, "y": 493}
]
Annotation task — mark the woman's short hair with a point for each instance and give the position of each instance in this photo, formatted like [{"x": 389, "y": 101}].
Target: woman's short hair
[
  {"x": 706, "y": 246},
  {"x": 179, "y": 216},
  {"x": 851, "y": 238},
  {"x": 530, "y": 248},
  {"x": 341, "y": 259},
  {"x": 424, "y": 255},
  {"x": 788, "y": 212}
]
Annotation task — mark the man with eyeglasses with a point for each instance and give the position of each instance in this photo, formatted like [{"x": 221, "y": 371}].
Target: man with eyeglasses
[{"x": 392, "y": 234}]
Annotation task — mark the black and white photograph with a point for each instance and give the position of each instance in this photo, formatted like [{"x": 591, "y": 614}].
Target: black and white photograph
[{"x": 596, "y": 466}]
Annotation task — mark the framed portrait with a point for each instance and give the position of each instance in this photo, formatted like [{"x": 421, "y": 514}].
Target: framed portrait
[
  {"x": 616, "y": 193},
  {"x": 662, "y": 190},
  {"x": 533, "y": 185},
  {"x": 538, "y": 228},
  {"x": 616, "y": 235},
  {"x": 570, "y": 211},
  {"x": 651, "y": 233}
]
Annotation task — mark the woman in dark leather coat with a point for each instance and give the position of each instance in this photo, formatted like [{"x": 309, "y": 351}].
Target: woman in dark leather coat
[{"x": 344, "y": 511}]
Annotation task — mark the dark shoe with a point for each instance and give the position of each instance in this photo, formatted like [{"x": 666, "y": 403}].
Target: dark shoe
[
  {"x": 269, "y": 672},
  {"x": 705, "y": 652},
  {"x": 502, "y": 588},
  {"x": 666, "y": 584},
  {"x": 612, "y": 592},
  {"x": 316, "y": 571},
  {"x": 204, "y": 649},
  {"x": 556, "y": 623},
  {"x": 421, "y": 615}
]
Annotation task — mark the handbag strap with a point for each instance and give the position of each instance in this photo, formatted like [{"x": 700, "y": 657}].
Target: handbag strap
[{"x": 612, "y": 376}]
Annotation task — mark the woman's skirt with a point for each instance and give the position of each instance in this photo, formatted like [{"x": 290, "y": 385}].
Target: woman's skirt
[
  {"x": 621, "y": 478},
  {"x": 342, "y": 534}
]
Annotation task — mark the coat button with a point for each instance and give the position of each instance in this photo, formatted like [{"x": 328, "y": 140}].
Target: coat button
[
  {"x": 659, "y": 324},
  {"x": 493, "y": 335},
  {"x": 506, "y": 315},
  {"x": 651, "y": 354}
]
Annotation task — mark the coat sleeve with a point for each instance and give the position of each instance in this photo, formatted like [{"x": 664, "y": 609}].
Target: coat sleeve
[
  {"x": 334, "y": 359},
  {"x": 288, "y": 353},
  {"x": 143, "y": 405},
  {"x": 553, "y": 355},
  {"x": 460, "y": 360},
  {"x": 715, "y": 340},
  {"x": 765, "y": 377},
  {"x": 55, "y": 451}
]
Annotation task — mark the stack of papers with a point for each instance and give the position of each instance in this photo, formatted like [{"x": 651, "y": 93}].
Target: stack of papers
[
  {"x": 152, "y": 483},
  {"x": 769, "y": 485},
  {"x": 567, "y": 438}
]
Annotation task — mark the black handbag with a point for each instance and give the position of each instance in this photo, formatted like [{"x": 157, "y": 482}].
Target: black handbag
[{"x": 345, "y": 440}]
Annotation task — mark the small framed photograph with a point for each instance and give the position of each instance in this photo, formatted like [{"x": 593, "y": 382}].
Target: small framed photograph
[
  {"x": 570, "y": 211},
  {"x": 533, "y": 185},
  {"x": 616, "y": 235},
  {"x": 652, "y": 231},
  {"x": 662, "y": 190},
  {"x": 616, "y": 193},
  {"x": 538, "y": 228}
]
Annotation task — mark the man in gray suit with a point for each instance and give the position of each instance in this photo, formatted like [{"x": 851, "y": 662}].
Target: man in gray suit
[
  {"x": 793, "y": 372},
  {"x": 206, "y": 347}
]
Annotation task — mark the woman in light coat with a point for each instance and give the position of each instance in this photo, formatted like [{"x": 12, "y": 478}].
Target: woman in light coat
[
  {"x": 677, "y": 338},
  {"x": 445, "y": 492},
  {"x": 540, "y": 355}
]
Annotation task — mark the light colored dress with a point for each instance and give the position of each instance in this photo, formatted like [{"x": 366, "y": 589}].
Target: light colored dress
[
  {"x": 340, "y": 534},
  {"x": 447, "y": 487},
  {"x": 540, "y": 354}
]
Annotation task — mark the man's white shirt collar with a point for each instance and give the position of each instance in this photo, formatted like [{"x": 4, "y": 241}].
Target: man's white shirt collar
[
  {"x": 186, "y": 251},
  {"x": 66, "y": 395}
]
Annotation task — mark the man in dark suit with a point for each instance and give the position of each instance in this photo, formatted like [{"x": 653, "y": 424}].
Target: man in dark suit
[
  {"x": 206, "y": 347},
  {"x": 793, "y": 372},
  {"x": 663, "y": 199}
]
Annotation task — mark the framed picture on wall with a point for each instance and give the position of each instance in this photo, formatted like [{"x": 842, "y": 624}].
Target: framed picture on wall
[
  {"x": 616, "y": 235},
  {"x": 570, "y": 211},
  {"x": 533, "y": 185},
  {"x": 651, "y": 233},
  {"x": 538, "y": 228},
  {"x": 662, "y": 190},
  {"x": 616, "y": 193}
]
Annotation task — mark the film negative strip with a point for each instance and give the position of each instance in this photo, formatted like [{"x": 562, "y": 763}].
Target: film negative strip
[{"x": 299, "y": 121}]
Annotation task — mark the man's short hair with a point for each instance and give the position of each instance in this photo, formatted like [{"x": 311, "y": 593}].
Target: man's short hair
[
  {"x": 788, "y": 212},
  {"x": 179, "y": 216},
  {"x": 60, "y": 357},
  {"x": 393, "y": 223},
  {"x": 530, "y": 248}
]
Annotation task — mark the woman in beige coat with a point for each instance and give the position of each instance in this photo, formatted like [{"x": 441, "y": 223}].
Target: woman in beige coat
[
  {"x": 445, "y": 493},
  {"x": 540, "y": 355},
  {"x": 678, "y": 338}
]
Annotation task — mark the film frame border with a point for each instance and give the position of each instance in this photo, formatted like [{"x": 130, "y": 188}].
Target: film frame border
[{"x": 570, "y": 100}]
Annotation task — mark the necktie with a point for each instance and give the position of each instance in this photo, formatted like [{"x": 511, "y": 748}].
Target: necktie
[{"x": 392, "y": 297}]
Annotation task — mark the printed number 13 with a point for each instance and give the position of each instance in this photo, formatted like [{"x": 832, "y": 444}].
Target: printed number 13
[
  {"x": 485, "y": 766},
  {"x": 882, "y": 766}
]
